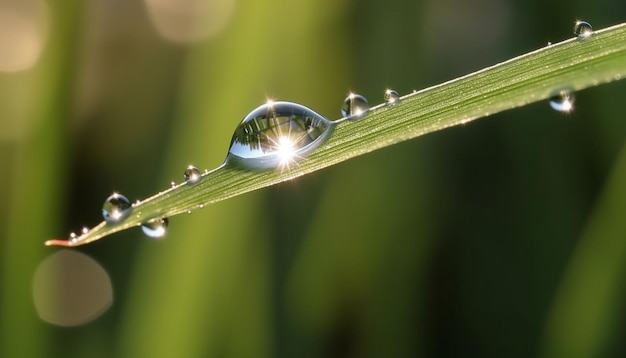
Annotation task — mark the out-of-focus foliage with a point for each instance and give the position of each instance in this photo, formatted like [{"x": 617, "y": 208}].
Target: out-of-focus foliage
[{"x": 478, "y": 241}]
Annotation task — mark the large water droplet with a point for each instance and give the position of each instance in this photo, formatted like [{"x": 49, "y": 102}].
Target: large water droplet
[
  {"x": 391, "y": 96},
  {"x": 276, "y": 134},
  {"x": 582, "y": 29},
  {"x": 562, "y": 101},
  {"x": 115, "y": 208},
  {"x": 155, "y": 229},
  {"x": 192, "y": 175},
  {"x": 354, "y": 105}
]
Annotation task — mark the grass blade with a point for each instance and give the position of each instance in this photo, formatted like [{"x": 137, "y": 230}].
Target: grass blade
[{"x": 572, "y": 64}]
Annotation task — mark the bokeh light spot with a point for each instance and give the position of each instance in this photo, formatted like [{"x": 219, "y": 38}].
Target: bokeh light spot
[
  {"x": 71, "y": 289},
  {"x": 189, "y": 21},
  {"x": 23, "y": 33}
]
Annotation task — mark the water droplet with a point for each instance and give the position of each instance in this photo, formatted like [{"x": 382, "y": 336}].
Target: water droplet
[
  {"x": 85, "y": 230},
  {"x": 354, "y": 105},
  {"x": 172, "y": 184},
  {"x": 562, "y": 101},
  {"x": 582, "y": 29},
  {"x": 391, "y": 96},
  {"x": 192, "y": 175},
  {"x": 155, "y": 229},
  {"x": 115, "y": 208},
  {"x": 277, "y": 134}
]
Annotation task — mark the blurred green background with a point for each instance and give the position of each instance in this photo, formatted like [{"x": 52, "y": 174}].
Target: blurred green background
[{"x": 501, "y": 238}]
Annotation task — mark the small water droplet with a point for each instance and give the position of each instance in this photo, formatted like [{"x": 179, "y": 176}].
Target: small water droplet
[
  {"x": 354, "y": 105},
  {"x": 277, "y": 134},
  {"x": 201, "y": 206},
  {"x": 189, "y": 212},
  {"x": 85, "y": 230},
  {"x": 391, "y": 96},
  {"x": 115, "y": 208},
  {"x": 172, "y": 184},
  {"x": 155, "y": 229},
  {"x": 562, "y": 101},
  {"x": 582, "y": 29},
  {"x": 192, "y": 175}
]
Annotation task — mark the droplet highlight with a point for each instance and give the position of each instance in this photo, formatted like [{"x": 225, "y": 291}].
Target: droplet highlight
[
  {"x": 391, "y": 96},
  {"x": 354, "y": 105},
  {"x": 277, "y": 134},
  {"x": 582, "y": 29},
  {"x": 155, "y": 229},
  {"x": 116, "y": 208},
  {"x": 562, "y": 101},
  {"x": 192, "y": 175}
]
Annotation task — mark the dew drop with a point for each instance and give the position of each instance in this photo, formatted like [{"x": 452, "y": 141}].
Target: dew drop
[
  {"x": 155, "y": 229},
  {"x": 115, "y": 208},
  {"x": 354, "y": 105},
  {"x": 562, "y": 101},
  {"x": 277, "y": 134},
  {"x": 172, "y": 184},
  {"x": 192, "y": 175},
  {"x": 391, "y": 96},
  {"x": 582, "y": 29}
]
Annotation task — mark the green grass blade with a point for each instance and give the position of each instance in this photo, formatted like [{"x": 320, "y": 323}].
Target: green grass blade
[
  {"x": 588, "y": 302},
  {"x": 573, "y": 64}
]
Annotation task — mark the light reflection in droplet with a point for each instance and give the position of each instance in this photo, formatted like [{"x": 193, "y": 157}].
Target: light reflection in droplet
[
  {"x": 71, "y": 289},
  {"x": 582, "y": 29},
  {"x": 155, "y": 229},
  {"x": 562, "y": 101},
  {"x": 189, "y": 21},
  {"x": 192, "y": 174},
  {"x": 391, "y": 96},
  {"x": 116, "y": 208},
  {"x": 286, "y": 150},
  {"x": 276, "y": 135},
  {"x": 23, "y": 33},
  {"x": 354, "y": 106}
]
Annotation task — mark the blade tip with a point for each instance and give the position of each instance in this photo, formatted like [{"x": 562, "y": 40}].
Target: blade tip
[{"x": 56, "y": 242}]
